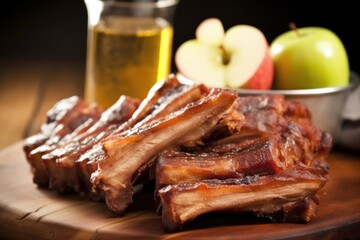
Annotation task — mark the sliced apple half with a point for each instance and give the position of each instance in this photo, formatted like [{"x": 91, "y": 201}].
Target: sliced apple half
[{"x": 237, "y": 58}]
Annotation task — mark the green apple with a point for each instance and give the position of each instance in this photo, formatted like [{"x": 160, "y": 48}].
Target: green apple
[
  {"x": 309, "y": 57},
  {"x": 237, "y": 58}
]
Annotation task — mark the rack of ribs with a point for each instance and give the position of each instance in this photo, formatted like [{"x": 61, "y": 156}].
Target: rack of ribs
[
  {"x": 59, "y": 162},
  {"x": 126, "y": 154},
  {"x": 276, "y": 141},
  {"x": 206, "y": 150},
  {"x": 163, "y": 99},
  {"x": 67, "y": 118}
]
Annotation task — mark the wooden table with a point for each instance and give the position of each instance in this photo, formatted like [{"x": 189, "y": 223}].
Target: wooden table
[{"x": 29, "y": 88}]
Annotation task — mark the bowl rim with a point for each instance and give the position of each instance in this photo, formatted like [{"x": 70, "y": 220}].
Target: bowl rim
[{"x": 354, "y": 81}]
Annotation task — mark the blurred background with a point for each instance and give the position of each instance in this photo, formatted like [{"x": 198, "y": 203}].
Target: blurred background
[{"x": 56, "y": 30}]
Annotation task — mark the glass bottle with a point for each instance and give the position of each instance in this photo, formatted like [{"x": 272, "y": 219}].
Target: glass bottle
[{"x": 129, "y": 47}]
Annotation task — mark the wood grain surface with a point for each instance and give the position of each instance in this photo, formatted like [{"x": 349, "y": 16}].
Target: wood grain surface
[{"x": 31, "y": 213}]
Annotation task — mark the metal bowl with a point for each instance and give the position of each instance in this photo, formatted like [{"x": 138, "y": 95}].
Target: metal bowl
[{"x": 325, "y": 104}]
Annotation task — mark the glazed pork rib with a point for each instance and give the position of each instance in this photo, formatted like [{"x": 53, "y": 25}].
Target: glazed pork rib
[
  {"x": 59, "y": 163},
  {"x": 68, "y": 117},
  {"x": 260, "y": 155},
  {"x": 263, "y": 195},
  {"x": 126, "y": 153}
]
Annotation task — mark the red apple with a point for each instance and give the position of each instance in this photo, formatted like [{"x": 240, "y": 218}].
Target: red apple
[{"x": 237, "y": 58}]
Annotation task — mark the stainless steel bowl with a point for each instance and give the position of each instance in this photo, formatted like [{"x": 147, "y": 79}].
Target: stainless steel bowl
[{"x": 325, "y": 104}]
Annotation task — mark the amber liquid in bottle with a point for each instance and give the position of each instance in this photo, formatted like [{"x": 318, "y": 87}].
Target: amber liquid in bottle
[{"x": 126, "y": 56}]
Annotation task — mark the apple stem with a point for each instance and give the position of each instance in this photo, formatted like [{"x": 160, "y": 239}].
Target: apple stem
[
  {"x": 225, "y": 56},
  {"x": 293, "y": 27}
]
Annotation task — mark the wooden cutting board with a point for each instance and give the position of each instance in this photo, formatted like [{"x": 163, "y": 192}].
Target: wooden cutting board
[{"x": 27, "y": 212}]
